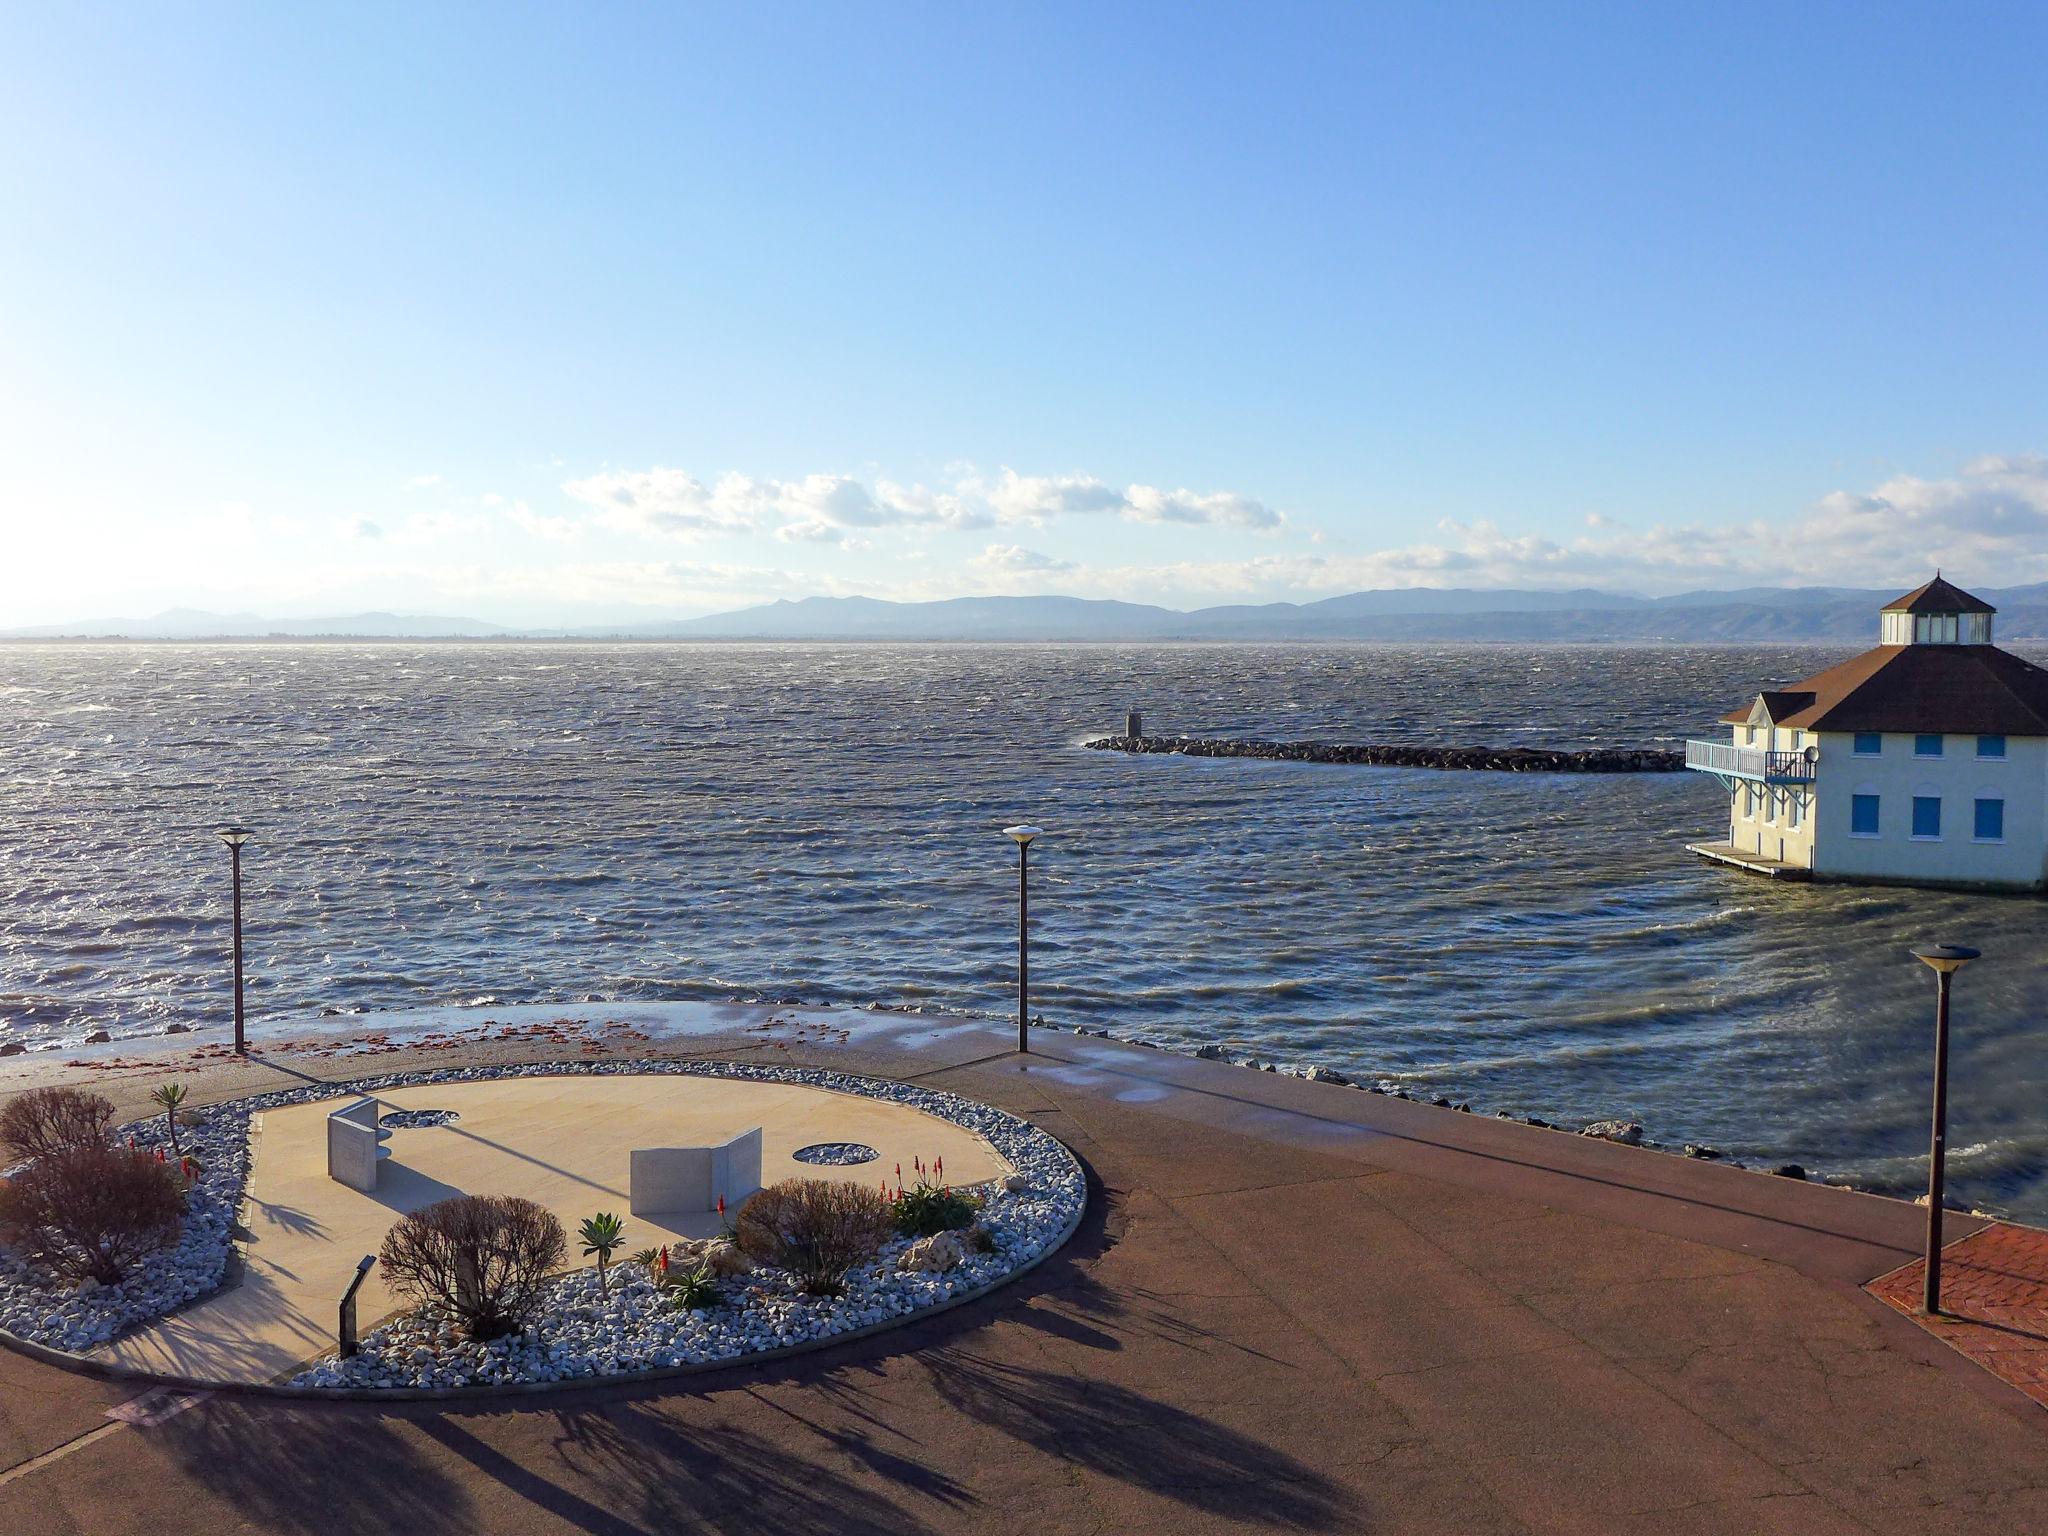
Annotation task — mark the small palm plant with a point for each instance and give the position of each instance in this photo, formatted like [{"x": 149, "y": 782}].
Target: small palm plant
[
  {"x": 170, "y": 1098},
  {"x": 603, "y": 1235}
]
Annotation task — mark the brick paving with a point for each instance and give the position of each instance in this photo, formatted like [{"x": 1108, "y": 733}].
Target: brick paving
[{"x": 1994, "y": 1300}]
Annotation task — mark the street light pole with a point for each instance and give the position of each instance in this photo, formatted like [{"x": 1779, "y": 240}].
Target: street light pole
[
  {"x": 1946, "y": 960},
  {"x": 1023, "y": 835},
  {"x": 234, "y": 837}
]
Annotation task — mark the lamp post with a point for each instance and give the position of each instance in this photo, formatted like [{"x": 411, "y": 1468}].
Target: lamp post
[
  {"x": 1946, "y": 960},
  {"x": 1023, "y": 836},
  {"x": 234, "y": 837}
]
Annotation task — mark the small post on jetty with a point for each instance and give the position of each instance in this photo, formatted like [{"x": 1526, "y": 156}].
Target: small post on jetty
[
  {"x": 1134, "y": 725},
  {"x": 1946, "y": 960},
  {"x": 1023, "y": 834}
]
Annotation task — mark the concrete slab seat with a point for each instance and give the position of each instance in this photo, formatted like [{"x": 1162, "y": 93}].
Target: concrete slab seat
[
  {"x": 694, "y": 1178},
  {"x": 355, "y": 1144}
]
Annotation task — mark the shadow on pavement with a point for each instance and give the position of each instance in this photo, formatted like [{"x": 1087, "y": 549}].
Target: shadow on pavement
[
  {"x": 657, "y": 1475},
  {"x": 1140, "y": 1441},
  {"x": 319, "y": 1472}
]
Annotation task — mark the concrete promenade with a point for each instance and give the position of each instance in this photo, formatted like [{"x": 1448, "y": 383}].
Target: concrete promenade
[{"x": 1294, "y": 1307}]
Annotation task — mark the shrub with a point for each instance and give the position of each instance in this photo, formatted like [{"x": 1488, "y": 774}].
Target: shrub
[
  {"x": 931, "y": 1208},
  {"x": 817, "y": 1229},
  {"x": 91, "y": 1210},
  {"x": 45, "y": 1120},
  {"x": 480, "y": 1258}
]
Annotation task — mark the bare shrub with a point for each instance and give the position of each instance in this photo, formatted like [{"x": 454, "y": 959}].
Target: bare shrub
[
  {"x": 481, "y": 1258},
  {"x": 91, "y": 1210},
  {"x": 44, "y": 1120},
  {"x": 817, "y": 1229}
]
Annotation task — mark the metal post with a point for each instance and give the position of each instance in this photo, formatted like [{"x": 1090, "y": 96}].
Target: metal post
[
  {"x": 345, "y": 1324},
  {"x": 1937, "y": 1155},
  {"x": 1023, "y": 945},
  {"x": 241, "y": 1045}
]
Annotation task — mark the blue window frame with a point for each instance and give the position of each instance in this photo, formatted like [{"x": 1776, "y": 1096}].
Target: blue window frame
[
  {"x": 1928, "y": 745},
  {"x": 1927, "y": 815},
  {"x": 1863, "y": 815},
  {"x": 1990, "y": 824},
  {"x": 1870, "y": 743},
  {"x": 1991, "y": 746}
]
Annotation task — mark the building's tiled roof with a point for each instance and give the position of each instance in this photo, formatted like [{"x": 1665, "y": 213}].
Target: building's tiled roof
[
  {"x": 1781, "y": 703},
  {"x": 1938, "y": 596},
  {"x": 1964, "y": 690}
]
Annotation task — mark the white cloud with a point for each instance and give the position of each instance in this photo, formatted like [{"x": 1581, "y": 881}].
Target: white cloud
[
  {"x": 675, "y": 503},
  {"x": 422, "y": 482},
  {"x": 364, "y": 528},
  {"x": 1015, "y": 560},
  {"x": 554, "y": 526}
]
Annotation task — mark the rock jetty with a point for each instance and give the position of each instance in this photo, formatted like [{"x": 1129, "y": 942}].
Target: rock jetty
[{"x": 1496, "y": 759}]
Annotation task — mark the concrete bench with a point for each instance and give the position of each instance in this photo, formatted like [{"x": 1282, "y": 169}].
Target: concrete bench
[
  {"x": 664, "y": 1179},
  {"x": 355, "y": 1145}
]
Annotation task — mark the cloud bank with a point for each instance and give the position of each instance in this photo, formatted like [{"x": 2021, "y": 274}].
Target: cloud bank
[{"x": 823, "y": 508}]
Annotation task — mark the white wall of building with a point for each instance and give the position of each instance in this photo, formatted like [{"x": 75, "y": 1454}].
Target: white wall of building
[
  {"x": 1958, "y": 777},
  {"x": 1775, "y": 821}
]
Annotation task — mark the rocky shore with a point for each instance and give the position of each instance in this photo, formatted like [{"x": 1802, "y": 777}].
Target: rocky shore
[{"x": 1381, "y": 755}]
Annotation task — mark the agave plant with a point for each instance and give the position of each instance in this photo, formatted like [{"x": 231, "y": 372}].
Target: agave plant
[
  {"x": 689, "y": 1289},
  {"x": 603, "y": 1235},
  {"x": 170, "y": 1098}
]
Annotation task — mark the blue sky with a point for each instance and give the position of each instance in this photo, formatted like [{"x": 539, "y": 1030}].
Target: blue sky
[{"x": 566, "y": 313}]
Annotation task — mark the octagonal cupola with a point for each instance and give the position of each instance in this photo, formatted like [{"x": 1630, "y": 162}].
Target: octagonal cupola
[{"x": 1939, "y": 613}]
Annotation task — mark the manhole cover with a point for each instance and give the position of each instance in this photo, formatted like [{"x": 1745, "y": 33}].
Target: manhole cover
[
  {"x": 417, "y": 1119},
  {"x": 835, "y": 1154}
]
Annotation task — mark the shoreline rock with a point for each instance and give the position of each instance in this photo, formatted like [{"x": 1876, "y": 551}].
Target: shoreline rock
[{"x": 1384, "y": 755}]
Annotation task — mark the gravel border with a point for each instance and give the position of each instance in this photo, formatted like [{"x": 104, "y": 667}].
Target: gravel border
[{"x": 57, "y": 1324}]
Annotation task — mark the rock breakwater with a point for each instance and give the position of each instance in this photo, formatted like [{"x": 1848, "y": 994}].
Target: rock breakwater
[{"x": 1494, "y": 759}]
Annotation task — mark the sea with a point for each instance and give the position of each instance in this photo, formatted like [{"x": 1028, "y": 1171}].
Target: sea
[{"x": 488, "y": 824}]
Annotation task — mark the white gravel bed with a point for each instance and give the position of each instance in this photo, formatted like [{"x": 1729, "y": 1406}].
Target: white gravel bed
[{"x": 574, "y": 1335}]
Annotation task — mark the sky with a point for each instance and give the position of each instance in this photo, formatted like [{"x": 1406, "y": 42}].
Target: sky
[{"x": 553, "y": 314}]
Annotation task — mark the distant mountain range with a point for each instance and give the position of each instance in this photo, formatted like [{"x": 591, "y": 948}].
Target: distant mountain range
[{"x": 1817, "y": 614}]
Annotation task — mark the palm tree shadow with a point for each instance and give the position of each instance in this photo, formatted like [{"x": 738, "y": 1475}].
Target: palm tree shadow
[
  {"x": 335, "y": 1474},
  {"x": 659, "y": 1476},
  {"x": 1142, "y": 1442}
]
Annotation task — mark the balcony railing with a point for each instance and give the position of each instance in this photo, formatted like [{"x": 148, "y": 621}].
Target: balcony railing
[{"x": 1753, "y": 762}]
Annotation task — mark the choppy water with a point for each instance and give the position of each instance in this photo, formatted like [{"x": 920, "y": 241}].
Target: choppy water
[{"x": 450, "y": 823}]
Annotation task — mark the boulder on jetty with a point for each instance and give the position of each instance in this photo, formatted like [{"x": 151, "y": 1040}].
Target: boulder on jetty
[{"x": 1383, "y": 755}]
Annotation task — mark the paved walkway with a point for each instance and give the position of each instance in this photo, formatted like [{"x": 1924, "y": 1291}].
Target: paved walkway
[
  {"x": 1295, "y": 1307},
  {"x": 1994, "y": 1302}
]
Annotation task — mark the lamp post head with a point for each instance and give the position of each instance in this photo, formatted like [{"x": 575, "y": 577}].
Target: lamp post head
[
  {"x": 1946, "y": 957},
  {"x": 1023, "y": 833},
  {"x": 234, "y": 837}
]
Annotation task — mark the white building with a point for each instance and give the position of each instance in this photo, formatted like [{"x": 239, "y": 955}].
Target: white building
[{"x": 1922, "y": 762}]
